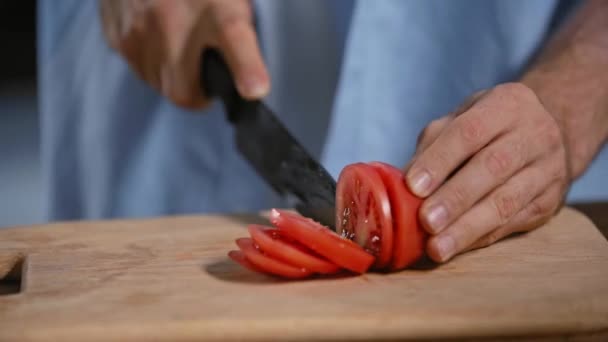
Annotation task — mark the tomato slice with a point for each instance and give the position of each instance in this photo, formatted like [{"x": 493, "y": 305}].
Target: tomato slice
[
  {"x": 273, "y": 244},
  {"x": 409, "y": 238},
  {"x": 267, "y": 263},
  {"x": 322, "y": 240},
  {"x": 240, "y": 258},
  {"x": 363, "y": 211}
]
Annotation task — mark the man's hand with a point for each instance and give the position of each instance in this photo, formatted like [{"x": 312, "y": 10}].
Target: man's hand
[
  {"x": 495, "y": 167},
  {"x": 162, "y": 40},
  {"x": 502, "y": 162}
]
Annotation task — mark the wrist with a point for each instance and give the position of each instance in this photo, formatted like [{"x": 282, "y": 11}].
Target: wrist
[
  {"x": 570, "y": 78},
  {"x": 578, "y": 101}
]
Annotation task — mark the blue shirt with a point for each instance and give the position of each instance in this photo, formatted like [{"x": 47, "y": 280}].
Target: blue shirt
[{"x": 352, "y": 81}]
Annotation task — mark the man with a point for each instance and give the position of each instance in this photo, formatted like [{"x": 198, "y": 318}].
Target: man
[{"x": 128, "y": 132}]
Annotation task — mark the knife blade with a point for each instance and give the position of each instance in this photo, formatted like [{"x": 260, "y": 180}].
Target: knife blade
[{"x": 270, "y": 148}]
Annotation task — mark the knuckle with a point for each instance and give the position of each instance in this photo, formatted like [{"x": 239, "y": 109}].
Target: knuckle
[
  {"x": 538, "y": 209},
  {"x": 499, "y": 162},
  {"x": 124, "y": 46},
  {"x": 434, "y": 253},
  {"x": 166, "y": 15},
  {"x": 551, "y": 133},
  {"x": 506, "y": 205},
  {"x": 435, "y": 125},
  {"x": 432, "y": 126},
  {"x": 439, "y": 159},
  {"x": 423, "y": 135},
  {"x": 431, "y": 129},
  {"x": 180, "y": 100},
  {"x": 471, "y": 129},
  {"x": 511, "y": 91},
  {"x": 232, "y": 28},
  {"x": 457, "y": 196},
  {"x": 477, "y": 95},
  {"x": 559, "y": 171},
  {"x": 491, "y": 238}
]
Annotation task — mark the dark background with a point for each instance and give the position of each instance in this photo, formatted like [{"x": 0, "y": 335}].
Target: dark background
[
  {"x": 18, "y": 41},
  {"x": 20, "y": 184}
]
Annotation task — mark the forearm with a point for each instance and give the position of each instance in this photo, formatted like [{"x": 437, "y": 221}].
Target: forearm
[{"x": 570, "y": 77}]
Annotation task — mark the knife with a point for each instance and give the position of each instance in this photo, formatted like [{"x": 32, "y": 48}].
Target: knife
[{"x": 269, "y": 147}]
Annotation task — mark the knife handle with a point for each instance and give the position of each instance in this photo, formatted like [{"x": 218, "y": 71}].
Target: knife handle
[{"x": 217, "y": 81}]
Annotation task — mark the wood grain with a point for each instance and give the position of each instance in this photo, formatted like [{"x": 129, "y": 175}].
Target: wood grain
[{"x": 170, "y": 279}]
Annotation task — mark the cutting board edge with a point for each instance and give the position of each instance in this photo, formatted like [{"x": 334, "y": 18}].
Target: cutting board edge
[{"x": 266, "y": 331}]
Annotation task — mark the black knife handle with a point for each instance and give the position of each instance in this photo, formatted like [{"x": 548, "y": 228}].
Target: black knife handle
[{"x": 217, "y": 81}]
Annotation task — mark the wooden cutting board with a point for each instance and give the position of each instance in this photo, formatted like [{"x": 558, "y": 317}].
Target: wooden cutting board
[{"x": 170, "y": 279}]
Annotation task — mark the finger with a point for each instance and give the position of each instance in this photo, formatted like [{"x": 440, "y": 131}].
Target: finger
[
  {"x": 152, "y": 56},
  {"x": 238, "y": 43},
  {"x": 435, "y": 127},
  {"x": 126, "y": 25},
  {"x": 492, "y": 212},
  {"x": 487, "y": 170},
  {"x": 133, "y": 53},
  {"x": 431, "y": 132},
  {"x": 535, "y": 214},
  {"x": 426, "y": 137},
  {"x": 469, "y": 102},
  {"x": 465, "y": 136},
  {"x": 184, "y": 33},
  {"x": 110, "y": 21}
]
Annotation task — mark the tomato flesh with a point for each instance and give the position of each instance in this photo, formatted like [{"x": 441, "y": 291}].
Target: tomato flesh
[
  {"x": 409, "y": 238},
  {"x": 268, "y": 264},
  {"x": 271, "y": 242},
  {"x": 323, "y": 241},
  {"x": 363, "y": 211}
]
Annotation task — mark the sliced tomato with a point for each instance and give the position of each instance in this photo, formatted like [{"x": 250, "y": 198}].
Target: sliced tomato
[
  {"x": 363, "y": 211},
  {"x": 240, "y": 258},
  {"x": 322, "y": 240},
  {"x": 269, "y": 264},
  {"x": 273, "y": 244},
  {"x": 409, "y": 238}
]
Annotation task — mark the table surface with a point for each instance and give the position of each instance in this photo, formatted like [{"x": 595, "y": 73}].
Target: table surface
[{"x": 170, "y": 279}]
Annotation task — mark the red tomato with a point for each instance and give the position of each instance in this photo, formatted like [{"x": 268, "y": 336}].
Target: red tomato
[
  {"x": 267, "y": 264},
  {"x": 322, "y": 240},
  {"x": 240, "y": 258},
  {"x": 273, "y": 244},
  {"x": 363, "y": 211},
  {"x": 409, "y": 238},
  {"x": 374, "y": 207}
]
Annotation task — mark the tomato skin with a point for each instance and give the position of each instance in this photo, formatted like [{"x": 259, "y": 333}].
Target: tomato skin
[
  {"x": 240, "y": 258},
  {"x": 323, "y": 241},
  {"x": 410, "y": 237},
  {"x": 363, "y": 211},
  {"x": 279, "y": 248},
  {"x": 268, "y": 264}
]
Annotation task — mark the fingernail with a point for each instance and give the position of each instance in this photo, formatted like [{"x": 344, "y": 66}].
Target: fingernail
[
  {"x": 445, "y": 247},
  {"x": 437, "y": 217},
  {"x": 420, "y": 181},
  {"x": 254, "y": 87}
]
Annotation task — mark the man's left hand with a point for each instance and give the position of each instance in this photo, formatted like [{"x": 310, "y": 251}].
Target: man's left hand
[{"x": 496, "y": 166}]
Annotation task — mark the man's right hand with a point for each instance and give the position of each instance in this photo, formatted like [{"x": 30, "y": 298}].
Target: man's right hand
[{"x": 162, "y": 40}]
